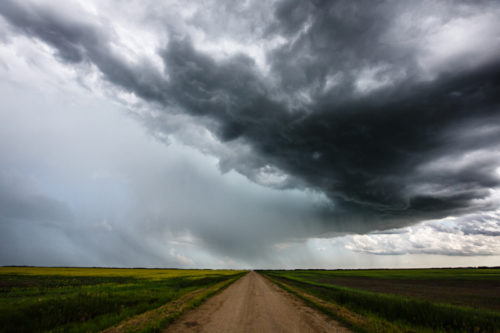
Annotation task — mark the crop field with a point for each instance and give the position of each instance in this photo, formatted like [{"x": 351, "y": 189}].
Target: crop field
[
  {"x": 36, "y": 299},
  {"x": 418, "y": 300}
]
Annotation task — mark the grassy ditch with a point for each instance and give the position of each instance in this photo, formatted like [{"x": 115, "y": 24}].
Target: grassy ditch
[
  {"x": 90, "y": 300},
  {"x": 398, "y": 311}
]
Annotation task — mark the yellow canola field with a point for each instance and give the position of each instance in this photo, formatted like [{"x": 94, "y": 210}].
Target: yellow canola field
[{"x": 146, "y": 273}]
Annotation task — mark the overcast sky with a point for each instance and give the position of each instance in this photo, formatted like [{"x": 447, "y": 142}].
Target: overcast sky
[{"x": 332, "y": 134}]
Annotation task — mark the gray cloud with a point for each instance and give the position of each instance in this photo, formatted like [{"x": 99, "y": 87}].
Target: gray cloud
[
  {"x": 376, "y": 106},
  {"x": 21, "y": 199},
  {"x": 119, "y": 198}
]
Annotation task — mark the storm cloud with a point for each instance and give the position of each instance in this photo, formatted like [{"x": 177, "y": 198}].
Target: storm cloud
[{"x": 388, "y": 109}]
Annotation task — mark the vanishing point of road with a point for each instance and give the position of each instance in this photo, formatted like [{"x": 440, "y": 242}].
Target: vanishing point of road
[{"x": 254, "y": 304}]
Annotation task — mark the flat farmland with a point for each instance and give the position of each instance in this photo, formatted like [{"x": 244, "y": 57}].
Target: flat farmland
[
  {"x": 166, "y": 300},
  {"x": 36, "y": 299},
  {"x": 477, "y": 288},
  {"x": 422, "y": 300}
]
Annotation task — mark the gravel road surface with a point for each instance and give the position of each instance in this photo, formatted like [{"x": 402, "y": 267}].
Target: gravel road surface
[{"x": 254, "y": 304}]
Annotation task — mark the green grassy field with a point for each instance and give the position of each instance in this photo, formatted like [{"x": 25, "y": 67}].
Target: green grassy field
[
  {"x": 420, "y": 300},
  {"x": 34, "y": 299}
]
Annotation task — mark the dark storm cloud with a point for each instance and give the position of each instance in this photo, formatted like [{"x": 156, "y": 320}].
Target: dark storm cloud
[
  {"x": 347, "y": 108},
  {"x": 363, "y": 151}
]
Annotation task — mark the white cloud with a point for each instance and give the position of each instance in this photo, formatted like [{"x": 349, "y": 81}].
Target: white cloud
[
  {"x": 372, "y": 78},
  {"x": 457, "y": 41},
  {"x": 181, "y": 259},
  {"x": 444, "y": 38},
  {"x": 470, "y": 235},
  {"x": 103, "y": 225}
]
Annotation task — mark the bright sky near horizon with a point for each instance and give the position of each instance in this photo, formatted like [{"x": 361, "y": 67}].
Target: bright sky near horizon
[{"x": 251, "y": 134}]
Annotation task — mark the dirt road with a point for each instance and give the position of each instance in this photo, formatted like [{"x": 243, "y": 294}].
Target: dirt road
[{"x": 254, "y": 304}]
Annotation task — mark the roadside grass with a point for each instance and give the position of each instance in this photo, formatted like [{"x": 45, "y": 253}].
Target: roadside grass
[
  {"x": 349, "y": 319},
  {"x": 157, "y": 319},
  {"x": 89, "y": 300},
  {"x": 386, "y": 312}
]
